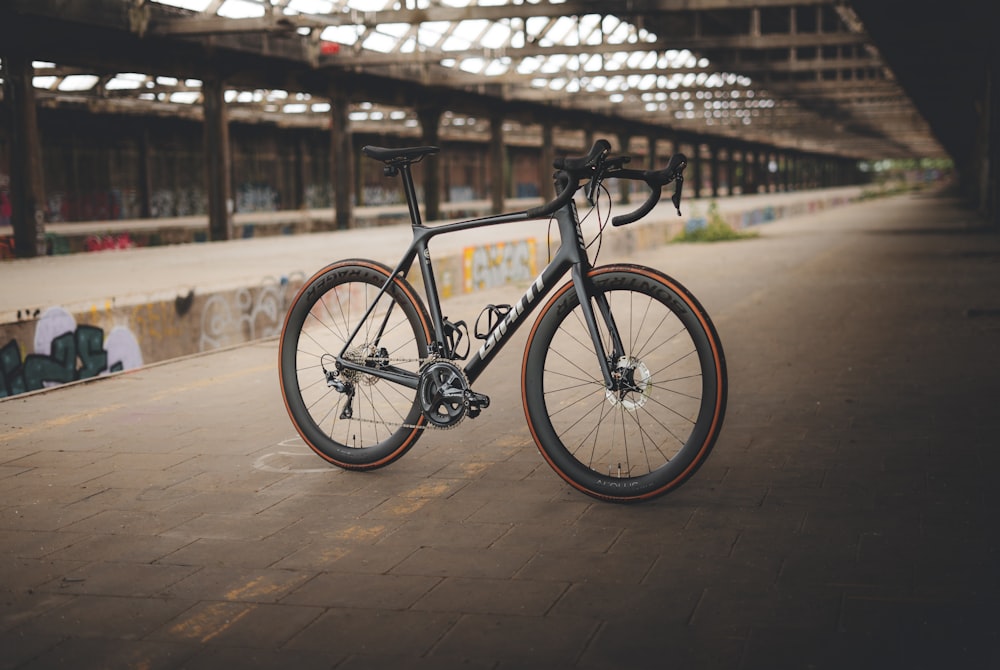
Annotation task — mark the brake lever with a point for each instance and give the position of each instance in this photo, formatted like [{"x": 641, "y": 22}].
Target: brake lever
[
  {"x": 606, "y": 168},
  {"x": 595, "y": 180},
  {"x": 678, "y": 186}
]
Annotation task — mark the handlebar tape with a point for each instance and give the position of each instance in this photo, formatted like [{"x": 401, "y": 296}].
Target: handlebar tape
[
  {"x": 656, "y": 180},
  {"x": 566, "y": 186}
]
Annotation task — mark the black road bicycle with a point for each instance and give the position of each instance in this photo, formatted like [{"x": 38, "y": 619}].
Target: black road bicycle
[{"x": 623, "y": 377}]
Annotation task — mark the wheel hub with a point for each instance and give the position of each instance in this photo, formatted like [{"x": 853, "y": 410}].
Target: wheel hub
[
  {"x": 633, "y": 384},
  {"x": 364, "y": 355}
]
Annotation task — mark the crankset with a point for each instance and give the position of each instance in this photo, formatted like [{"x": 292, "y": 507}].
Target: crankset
[{"x": 445, "y": 396}]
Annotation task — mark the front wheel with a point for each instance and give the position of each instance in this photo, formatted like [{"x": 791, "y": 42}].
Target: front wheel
[{"x": 657, "y": 423}]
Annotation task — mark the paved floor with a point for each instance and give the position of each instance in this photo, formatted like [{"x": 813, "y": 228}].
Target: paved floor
[{"x": 168, "y": 517}]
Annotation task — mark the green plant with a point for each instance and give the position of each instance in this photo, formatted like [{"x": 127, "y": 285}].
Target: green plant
[{"x": 713, "y": 229}]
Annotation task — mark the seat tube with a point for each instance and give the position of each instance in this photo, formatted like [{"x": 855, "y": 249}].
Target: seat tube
[{"x": 430, "y": 288}]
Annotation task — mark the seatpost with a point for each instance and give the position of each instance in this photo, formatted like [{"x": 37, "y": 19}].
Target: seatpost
[{"x": 410, "y": 192}]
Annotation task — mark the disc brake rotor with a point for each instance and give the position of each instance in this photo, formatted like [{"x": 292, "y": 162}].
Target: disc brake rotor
[{"x": 634, "y": 386}]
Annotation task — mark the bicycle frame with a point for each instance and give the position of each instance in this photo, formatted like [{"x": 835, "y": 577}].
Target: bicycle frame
[{"x": 571, "y": 256}]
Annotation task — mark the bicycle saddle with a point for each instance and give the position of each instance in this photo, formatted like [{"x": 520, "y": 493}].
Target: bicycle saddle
[{"x": 396, "y": 155}]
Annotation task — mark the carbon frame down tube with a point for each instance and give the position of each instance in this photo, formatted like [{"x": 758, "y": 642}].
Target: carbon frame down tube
[{"x": 572, "y": 254}]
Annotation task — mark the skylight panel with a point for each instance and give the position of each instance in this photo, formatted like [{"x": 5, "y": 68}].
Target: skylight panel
[
  {"x": 535, "y": 25},
  {"x": 648, "y": 61},
  {"x": 588, "y": 24},
  {"x": 196, "y": 5},
  {"x": 473, "y": 65},
  {"x": 240, "y": 9},
  {"x": 618, "y": 34},
  {"x": 369, "y": 5},
  {"x": 78, "y": 82},
  {"x": 593, "y": 64},
  {"x": 125, "y": 81},
  {"x": 528, "y": 65},
  {"x": 346, "y": 35},
  {"x": 311, "y": 6},
  {"x": 379, "y": 42},
  {"x": 185, "y": 97},
  {"x": 496, "y": 36},
  {"x": 397, "y": 30},
  {"x": 465, "y": 35},
  {"x": 564, "y": 32},
  {"x": 497, "y": 67},
  {"x": 554, "y": 64}
]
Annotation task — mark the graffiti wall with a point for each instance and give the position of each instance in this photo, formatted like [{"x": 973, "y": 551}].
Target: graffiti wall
[
  {"x": 491, "y": 265},
  {"x": 64, "y": 351},
  {"x": 55, "y": 346}
]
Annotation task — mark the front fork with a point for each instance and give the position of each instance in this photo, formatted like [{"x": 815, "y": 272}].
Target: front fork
[{"x": 588, "y": 295}]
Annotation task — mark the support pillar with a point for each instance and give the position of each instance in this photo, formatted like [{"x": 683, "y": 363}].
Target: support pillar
[
  {"x": 624, "y": 185},
  {"x": 27, "y": 188},
  {"x": 299, "y": 174},
  {"x": 763, "y": 169},
  {"x": 145, "y": 177},
  {"x": 653, "y": 159},
  {"x": 779, "y": 173},
  {"x": 730, "y": 172},
  {"x": 342, "y": 162},
  {"x": 217, "y": 162},
  {"x": 498, "y": 164},
  {"x": 747, "y": 185},
  {"x": 697, "y": 167},
  {"x": 714, "y": 150},
  {"x": 548, "y": 156},
  {"x": 430, "y": 122}
]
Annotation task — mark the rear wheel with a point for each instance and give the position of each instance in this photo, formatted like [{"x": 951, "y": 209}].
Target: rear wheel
[
  {"x": 657, "y": 425},
  {"x": 353, "y": 419}
]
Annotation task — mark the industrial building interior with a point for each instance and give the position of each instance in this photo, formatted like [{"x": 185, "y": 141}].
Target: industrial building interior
[
  {"x": 812, "y": 92},
  {"x": 187, "y": 216}
]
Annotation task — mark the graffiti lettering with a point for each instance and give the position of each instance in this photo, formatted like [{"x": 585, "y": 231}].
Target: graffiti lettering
[
  {"x": 244, "y": 316},
  {"x": 494, "y": 265},
  {"x": 65, "y": 352}
]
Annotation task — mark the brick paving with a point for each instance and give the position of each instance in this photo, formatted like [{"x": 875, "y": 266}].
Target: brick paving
[{"x": 169, "y": 518}]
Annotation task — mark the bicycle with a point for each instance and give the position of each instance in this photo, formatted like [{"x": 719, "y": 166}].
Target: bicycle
[{"x": 623, "y": 378}]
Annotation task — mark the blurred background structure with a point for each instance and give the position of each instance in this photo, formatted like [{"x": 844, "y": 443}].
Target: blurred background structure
[{"x": 124, "y": 110}]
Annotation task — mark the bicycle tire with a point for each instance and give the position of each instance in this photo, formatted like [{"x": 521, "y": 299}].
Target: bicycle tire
[
  {"x": 385, "y": 418},
  {"x": 642, "y": 443}
]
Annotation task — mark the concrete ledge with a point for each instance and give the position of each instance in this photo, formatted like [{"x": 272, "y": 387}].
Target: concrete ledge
[{"x": 50, "y": 343}]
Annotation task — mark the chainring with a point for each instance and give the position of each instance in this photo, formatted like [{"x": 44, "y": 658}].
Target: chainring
[{"x": 443, "y": 391}]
